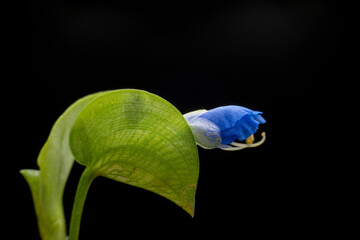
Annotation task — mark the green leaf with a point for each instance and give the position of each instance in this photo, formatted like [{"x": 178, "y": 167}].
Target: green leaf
[
  {"x": 138, "y": 138},
  {"x": 130, "y": 136},
  {"x": 33, "y": 178},
  {"x": 55, "y": 162}
]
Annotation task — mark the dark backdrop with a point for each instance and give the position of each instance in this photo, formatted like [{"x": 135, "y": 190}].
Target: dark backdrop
[{"x": 270, "y": 56}]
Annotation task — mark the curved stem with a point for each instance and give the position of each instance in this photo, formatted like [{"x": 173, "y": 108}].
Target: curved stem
[{"x": 85, "y": 180}]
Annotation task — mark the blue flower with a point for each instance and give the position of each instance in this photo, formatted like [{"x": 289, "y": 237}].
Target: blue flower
[{"x": 220, "y": 127}]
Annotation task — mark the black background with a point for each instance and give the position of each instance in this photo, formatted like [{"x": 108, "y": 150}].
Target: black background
[{"x": 270, "y": 56}]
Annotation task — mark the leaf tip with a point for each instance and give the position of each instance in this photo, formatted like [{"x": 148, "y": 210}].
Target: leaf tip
[
  {"x": 188, "y": 196},
  {"x": 29, "y": 173}
]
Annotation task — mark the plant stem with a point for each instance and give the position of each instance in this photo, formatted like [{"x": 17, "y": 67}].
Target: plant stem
[{"x": 85, "y": 180}]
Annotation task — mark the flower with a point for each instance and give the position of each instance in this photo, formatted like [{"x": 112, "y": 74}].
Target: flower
[{"x": 220, "y": 127}]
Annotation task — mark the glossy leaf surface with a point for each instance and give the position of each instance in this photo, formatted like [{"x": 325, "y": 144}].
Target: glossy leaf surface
[{"x": 140, "y": 139}]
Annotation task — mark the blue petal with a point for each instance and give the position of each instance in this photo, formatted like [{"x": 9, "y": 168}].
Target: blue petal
[{"x": 235, "y": 122}]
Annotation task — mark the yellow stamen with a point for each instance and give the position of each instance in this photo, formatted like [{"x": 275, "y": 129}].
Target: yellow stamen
[
  {"x": 250, "y": 139},
  {"x": 239, "y": 146}
]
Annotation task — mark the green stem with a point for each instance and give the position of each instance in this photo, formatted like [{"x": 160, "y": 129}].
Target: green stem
[{"x": 86, "y": 178}]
